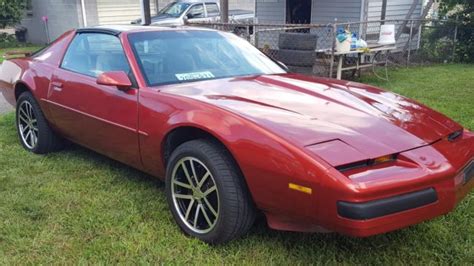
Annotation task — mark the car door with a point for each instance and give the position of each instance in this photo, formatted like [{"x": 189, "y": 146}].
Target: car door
[
  {"x": 212, "y": 11},
  {"x": 100, "y": 117},
  {"x": 196, "y": 13}
]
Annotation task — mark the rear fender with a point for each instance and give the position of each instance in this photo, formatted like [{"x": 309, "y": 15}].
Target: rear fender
[{"x": 10, "y": 74}]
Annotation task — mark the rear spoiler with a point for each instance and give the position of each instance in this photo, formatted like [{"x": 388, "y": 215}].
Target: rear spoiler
[{"x": 11, "y": 54}]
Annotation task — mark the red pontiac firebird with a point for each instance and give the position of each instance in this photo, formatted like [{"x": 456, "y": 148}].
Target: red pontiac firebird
[{"x": 232, "y": 133}]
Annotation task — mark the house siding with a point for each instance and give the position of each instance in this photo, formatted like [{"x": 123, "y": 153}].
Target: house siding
[
  {"x": 396, "y": 10},
  {"x": 62, "y": 15},
  {"x": 109, "y": 12},
  {"x": 322, "y": 11},
  {"x": 270, "y": 11},
  {"x": 326, "y": 11}
]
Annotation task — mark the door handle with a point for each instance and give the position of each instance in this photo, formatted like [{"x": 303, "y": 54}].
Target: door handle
[{"x": 57, "y": 86}]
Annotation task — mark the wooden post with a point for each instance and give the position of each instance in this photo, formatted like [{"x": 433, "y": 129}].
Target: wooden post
[
  {"x": 455, "y": 38},
  {"x": 333, "y": 47},
  {"x": 146, "y": 14},
  {"x": 224, "y": 11},
  {"x": 409, "y": 43},
  {"x": 384, "y": 11}
]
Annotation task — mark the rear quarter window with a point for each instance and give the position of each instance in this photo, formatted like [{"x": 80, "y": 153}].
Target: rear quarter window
[{"x": 94, "y": 53}]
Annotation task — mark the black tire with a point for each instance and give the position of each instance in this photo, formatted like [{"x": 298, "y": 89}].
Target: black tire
[
  {"x": 47, "y": 139},
  {"x": 236, "y": 210}
]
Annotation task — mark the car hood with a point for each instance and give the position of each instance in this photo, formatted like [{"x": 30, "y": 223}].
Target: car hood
[{"x": 353, "y": 118}]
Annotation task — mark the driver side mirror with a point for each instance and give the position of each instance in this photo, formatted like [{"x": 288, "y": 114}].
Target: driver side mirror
[{"x": 119, "y": 79}]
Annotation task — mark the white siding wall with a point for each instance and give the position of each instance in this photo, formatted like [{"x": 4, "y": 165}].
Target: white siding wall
[
  {"x": 120, "y": 11},
  {"x": 325, "y": 11},
  {"x": 62, "y": 15},
  {"x": 271, "y": 11},
  {"x": 396, "y": 10}
]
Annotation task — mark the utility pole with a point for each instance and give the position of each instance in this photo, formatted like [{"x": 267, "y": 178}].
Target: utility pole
[
  {"x": 224, "y": 11},
  {"x": 145, "y": 10}
]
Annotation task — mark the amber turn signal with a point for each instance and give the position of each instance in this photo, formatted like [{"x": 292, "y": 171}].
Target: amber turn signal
[{"x": 303, "y": 189}]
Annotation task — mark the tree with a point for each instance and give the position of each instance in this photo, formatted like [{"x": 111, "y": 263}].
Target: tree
[
  {"x": 11, "y": 12},
  {"x": 461, "y": 11}
]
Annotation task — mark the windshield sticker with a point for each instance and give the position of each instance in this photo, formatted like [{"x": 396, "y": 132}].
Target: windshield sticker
[{"x": 194, "y": 76}]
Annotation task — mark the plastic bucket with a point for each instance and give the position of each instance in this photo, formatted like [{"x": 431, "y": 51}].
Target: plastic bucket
[
  {"x": 345, "y": 46},
  {"x": 387, "y": 34}
]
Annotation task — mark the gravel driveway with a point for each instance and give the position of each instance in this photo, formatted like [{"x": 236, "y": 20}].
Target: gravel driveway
[{"x": 4, "y": 106}]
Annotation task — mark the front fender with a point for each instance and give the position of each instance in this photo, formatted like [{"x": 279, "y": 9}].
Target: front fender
[{"x": 268, "y": 162}]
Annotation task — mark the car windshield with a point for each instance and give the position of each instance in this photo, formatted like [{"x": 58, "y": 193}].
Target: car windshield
[
  {"x": 167, "y": 57},
  {"x": 174, "y": 9}
]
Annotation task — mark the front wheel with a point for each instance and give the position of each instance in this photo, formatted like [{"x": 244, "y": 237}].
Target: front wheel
[
  {"x": 207, "y": 194},
  {"x": 33, "y": 130}
]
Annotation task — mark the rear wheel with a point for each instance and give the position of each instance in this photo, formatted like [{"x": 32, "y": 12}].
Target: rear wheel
[
  {"x": 207, "y": 194},
  {"x": 33, "y": 130}
]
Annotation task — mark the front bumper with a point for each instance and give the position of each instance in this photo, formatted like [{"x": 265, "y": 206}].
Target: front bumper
[
  {"x": 378, "y": 208},
  {"x": 433, "y": 202},
  {"x": 441, "y": 176}
]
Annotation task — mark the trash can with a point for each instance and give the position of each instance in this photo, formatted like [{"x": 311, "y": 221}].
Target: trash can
[{"x": 20, "y": 33}]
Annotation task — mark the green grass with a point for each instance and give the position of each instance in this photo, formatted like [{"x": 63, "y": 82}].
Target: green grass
[
  {"x": 78, "y": 206},
  {"x": 31, "y": 48}
]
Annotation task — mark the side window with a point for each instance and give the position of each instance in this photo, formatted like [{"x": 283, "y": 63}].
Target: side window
[
  {"x": 212, "y": 10},
  {"x": 94, "y": 53},
  {"x": 196, "y": 11}
]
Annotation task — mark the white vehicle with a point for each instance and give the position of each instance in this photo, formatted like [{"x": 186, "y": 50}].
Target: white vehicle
[{"x": 177, "y": 13}]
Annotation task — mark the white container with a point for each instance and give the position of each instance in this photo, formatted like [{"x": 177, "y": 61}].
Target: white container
[
  {"x": 387, "y": 34},
  {"x": 345, "y": 46}
]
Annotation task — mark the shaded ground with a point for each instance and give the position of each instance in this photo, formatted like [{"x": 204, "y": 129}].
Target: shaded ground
[{"x": 4, "y": 106}]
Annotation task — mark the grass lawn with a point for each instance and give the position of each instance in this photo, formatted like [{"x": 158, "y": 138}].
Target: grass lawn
[
  {"x": 78, "y": 206},
  {"x": 31, "y": 48}
]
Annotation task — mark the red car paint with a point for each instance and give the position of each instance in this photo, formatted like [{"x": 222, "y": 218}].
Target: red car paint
[{"x": 281, "y": 129}]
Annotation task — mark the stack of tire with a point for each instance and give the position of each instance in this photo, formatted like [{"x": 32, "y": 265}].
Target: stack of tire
[{"x": 297, "y": 51}]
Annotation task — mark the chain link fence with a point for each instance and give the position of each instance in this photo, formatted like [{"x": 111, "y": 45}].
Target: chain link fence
[{"x": 311, "y": 48}]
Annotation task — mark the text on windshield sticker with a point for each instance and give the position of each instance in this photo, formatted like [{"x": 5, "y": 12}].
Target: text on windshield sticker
[{"x": 194, "y": 75}]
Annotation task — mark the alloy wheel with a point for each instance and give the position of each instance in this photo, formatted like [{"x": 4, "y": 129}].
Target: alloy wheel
[
  {"x": 195, "y": 195},
  {"x": 28, "y": 125}
]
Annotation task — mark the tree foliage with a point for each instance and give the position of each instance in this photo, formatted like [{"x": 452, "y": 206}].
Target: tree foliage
[
  {"x": 461, "y": 11},
  {"x": 11, "y": 12}
]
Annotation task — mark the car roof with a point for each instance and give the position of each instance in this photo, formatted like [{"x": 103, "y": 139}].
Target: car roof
[{"x": 118, "y": 29}]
